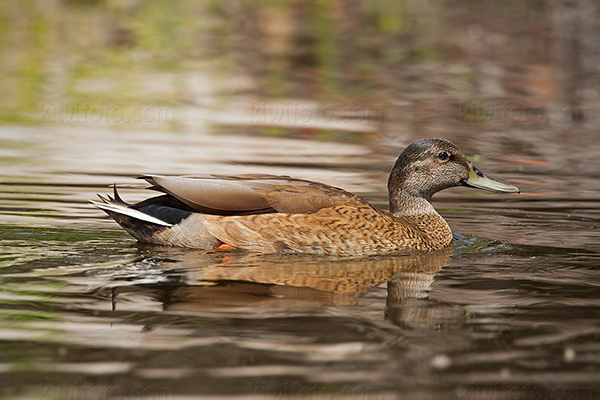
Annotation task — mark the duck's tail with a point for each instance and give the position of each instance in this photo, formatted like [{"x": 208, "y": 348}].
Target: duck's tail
[
  {"x": 117, "y": 208},
  {"x": 161, "y": 220},
  {"x": 139, "y": 224}
]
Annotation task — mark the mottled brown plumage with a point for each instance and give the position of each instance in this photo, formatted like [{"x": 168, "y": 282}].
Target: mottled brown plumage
[{"x": 278, "y": 214}]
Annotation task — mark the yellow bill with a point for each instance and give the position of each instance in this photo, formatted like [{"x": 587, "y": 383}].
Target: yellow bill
[{"x": 479, "y": 180}]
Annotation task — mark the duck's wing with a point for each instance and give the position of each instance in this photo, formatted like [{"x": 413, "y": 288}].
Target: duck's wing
[{"x": 250, "y": 194}]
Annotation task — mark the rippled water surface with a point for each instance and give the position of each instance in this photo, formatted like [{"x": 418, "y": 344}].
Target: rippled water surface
[
  {"x": 88, "y": 313},
  {"x": 510, "y": 311}
]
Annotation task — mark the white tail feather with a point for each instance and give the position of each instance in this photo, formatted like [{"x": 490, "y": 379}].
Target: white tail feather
[{"x": 130, "y": 212}]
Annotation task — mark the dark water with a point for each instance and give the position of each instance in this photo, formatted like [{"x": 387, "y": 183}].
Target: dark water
[{"x": 511, "y": 311}]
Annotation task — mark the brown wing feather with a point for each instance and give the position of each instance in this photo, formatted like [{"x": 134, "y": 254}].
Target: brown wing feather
[
  {"x": 210, "y": 195},
  {"x": 255, "y": 194}
]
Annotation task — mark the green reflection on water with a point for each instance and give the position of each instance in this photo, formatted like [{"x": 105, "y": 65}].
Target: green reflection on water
[
  {"x": 30, "y": 248},
  {"x": 73, "y": 56},
  {"x": 32, "y": 316}
]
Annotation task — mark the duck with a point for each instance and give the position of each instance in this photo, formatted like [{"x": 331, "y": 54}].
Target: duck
[{"x": 280, "y": 214}]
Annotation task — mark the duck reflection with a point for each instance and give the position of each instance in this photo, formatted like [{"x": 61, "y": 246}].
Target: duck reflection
[{"x": 237, "y": 284}]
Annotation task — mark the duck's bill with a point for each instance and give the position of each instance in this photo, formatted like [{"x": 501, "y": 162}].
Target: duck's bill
[{"x": 479, "y": 180}]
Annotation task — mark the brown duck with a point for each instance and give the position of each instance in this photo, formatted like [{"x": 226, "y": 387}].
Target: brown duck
[{"x": 279, "y": 214}]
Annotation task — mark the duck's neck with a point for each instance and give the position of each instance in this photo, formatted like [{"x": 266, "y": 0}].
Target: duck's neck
[
  {"x": 419, "y": 211},
  {"x": 405, "y": 204}
]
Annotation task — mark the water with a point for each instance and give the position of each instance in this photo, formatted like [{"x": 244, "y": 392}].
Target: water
[
  {"x": 511, "y": 311},
  {"x": 88, "y": 313}
]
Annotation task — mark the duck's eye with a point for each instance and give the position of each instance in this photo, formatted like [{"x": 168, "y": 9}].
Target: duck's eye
[{"x": 442, "y": 155}]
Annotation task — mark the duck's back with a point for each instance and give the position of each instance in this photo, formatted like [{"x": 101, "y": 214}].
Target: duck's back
[{"x": 250, "y": 194}]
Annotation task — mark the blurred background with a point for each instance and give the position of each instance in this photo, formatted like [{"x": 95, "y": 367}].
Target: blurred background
[
  {"x": 369, "y": 72},
  {"x": 94, "y": 92}
]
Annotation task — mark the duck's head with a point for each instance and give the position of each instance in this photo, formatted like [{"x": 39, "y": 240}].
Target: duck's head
[{"x": 430, "y": 165}]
